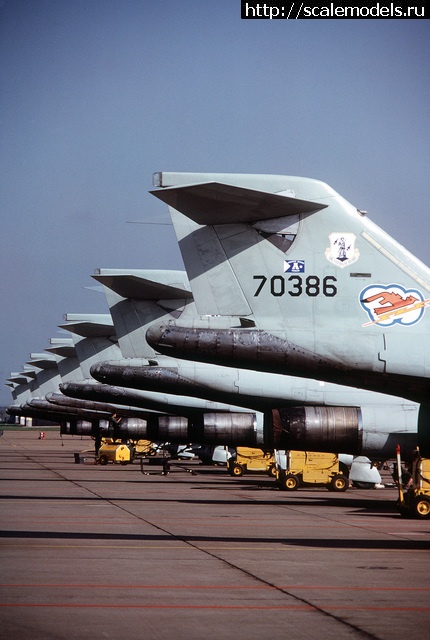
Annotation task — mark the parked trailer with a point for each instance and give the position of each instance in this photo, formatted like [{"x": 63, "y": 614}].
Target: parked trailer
[
  {"x": 248, "y": 459},
  {"x": 118, "y": 453},
  {"x": 312, "y": 467}
]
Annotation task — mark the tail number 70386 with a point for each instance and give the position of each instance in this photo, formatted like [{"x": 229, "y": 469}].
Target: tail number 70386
[{"x": 297, "y": 285}]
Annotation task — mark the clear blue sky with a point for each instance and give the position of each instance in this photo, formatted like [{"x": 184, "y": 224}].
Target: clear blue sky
[{"x": 96, "y": 95}]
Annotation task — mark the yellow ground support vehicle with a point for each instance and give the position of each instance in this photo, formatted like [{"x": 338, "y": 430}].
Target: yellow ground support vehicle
[
  {"x": 414, "y": 502},
  {"x": 311, "y": 467},
  {"x": 251, "y": 460},
  {"x": 116, "y": 452},
  {"x": 144, "y": 448}
]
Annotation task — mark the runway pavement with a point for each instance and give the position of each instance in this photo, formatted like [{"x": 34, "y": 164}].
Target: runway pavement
[{"x": 91, "y": 551}]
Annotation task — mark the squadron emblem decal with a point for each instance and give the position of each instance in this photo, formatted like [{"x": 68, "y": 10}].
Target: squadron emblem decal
[
  {"x": 391, "y": 304},
  {"x": 342, "y": 251},
  {"x": 294, "y": 266}
]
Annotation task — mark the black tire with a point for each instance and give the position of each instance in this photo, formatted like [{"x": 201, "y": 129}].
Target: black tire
[
  {"x": 237, "y": 470},
  {"x": 422, "y": 507},
  {"x": 343, "y": 469},
  {"x": 103, "y": 459},
  {"x": 271, "y": 471},
  {"x": 279, "y": 480},
  {"x": 338, "y": 483},
  {"x": 291, "y": 482}
]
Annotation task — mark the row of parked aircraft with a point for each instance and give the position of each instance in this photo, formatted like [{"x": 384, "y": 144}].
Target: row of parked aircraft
[{"x": 298, "y": 324}]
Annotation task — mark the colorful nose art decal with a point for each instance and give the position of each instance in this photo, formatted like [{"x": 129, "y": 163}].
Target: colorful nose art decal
[{"x": 391, "y": 304}]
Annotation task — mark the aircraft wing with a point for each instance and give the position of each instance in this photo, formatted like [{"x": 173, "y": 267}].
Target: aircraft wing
[{"x": 216, "y": 203}]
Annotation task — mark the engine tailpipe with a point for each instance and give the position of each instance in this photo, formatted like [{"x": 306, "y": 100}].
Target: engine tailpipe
[{"x": 319, "y": 428}]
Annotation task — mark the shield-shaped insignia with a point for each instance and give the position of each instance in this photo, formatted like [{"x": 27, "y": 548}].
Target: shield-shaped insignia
[{"x": 342, "y": 251}]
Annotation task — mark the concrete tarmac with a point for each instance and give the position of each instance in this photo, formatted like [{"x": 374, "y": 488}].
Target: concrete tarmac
[{"x": 91, "y": 551}]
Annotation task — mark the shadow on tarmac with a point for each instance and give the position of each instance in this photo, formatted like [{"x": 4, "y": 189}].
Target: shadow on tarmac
[
  {"x": 328, "y": 543},
  {"x": 362, "y": 504}
]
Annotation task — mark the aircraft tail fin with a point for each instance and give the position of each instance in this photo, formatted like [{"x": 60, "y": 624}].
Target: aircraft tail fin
[
  {"x": 209, "y": 218},
  {"x": 296, "y": 259},
  {"x": 137, "y": 298}
]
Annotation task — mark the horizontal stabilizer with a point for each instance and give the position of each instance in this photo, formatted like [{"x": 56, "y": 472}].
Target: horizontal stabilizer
[
  {"x": 64, "y": 351},
  {"x": 20, "y": 378},
  {"x": 42, "y": 361},
  {"x": 90, "y": 325},
  {"x": 130, "y": 286},
  {"x": 216, "y": 203}
]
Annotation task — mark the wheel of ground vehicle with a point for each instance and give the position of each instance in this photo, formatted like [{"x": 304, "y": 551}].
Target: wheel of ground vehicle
[
  {"x": 291, "y": 482},
  {"x": 339, "y": 482},
  {"x": 422, "y": 507},
  {"x": 103, "y": 459},
  {"x": 237, "y": 470},
  {"x": 343, "y": 469},
  {"x": 271, "y": 471}
]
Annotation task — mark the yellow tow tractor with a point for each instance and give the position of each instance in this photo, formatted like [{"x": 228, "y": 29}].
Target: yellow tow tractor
[
  {"x": 311, "y": 467},
  {"x": 115, "y": 451},
  {"x": 247, "y": 459},
  {"x": 414, "y": 502}
]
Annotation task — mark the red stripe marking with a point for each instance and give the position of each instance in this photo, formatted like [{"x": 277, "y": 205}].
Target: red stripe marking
[{"x": 210, "y": 586}]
